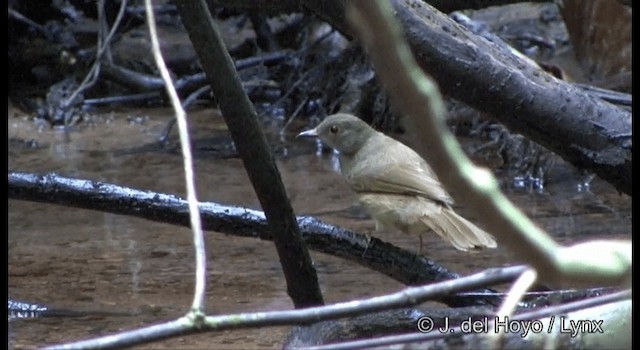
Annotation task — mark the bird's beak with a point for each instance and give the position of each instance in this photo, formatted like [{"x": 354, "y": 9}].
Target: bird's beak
[{"x": 310, "y": 132}]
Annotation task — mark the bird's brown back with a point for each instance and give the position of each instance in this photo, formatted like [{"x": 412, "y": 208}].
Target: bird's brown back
[{"x": 384, "y": 165}]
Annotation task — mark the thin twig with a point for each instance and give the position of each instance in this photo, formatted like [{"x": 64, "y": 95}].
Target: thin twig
[
  {"x": 191, "y": 99},
  {"x": 141, "y": 98},
  {"x": 20, "y": 17},
  {"x": 403, "y": 298},
  {"x": 91, "y": 77},
  {"x": 198, "y": 237}
]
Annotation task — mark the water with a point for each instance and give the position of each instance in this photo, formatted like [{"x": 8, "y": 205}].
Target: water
[{"x": 125, "y": 272}]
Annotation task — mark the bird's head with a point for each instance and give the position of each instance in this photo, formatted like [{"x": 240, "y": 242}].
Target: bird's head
[{"x": 343, "y": 132}]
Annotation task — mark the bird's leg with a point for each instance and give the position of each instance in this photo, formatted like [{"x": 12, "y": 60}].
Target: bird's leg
[
  {"x": 378, "y": 228},
  {"x": 420, "y": 245},
  {"x": 368, "y": 242}
]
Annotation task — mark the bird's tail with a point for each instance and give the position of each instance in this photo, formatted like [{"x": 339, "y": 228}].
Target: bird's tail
[{"x": 460, "y": 232}]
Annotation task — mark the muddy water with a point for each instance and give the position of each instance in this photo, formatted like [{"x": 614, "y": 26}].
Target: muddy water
[{"x": 127, "y": 272}]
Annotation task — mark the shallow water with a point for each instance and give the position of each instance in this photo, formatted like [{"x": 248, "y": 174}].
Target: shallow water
[{"x": 143, "y": 271}]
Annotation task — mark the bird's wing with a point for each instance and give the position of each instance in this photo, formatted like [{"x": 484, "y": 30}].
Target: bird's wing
[{"x": 399, "y": 170}]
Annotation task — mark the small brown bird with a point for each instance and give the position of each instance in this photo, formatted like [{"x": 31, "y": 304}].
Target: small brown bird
[{"x": 394, "y": 184}]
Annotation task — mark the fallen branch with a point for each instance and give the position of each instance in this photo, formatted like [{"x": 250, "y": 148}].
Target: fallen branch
[{"x": 380, "y": 256}]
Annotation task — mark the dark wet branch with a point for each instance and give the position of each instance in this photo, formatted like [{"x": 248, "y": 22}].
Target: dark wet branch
[
  {"x": 385, "y": 258},
  {"x": 586, "y": 131},
  {"x": 146, "y": 82},
  {"x": 133, "y": 79},
  {"x": 620, "y": 99},
  {"x": 241, "y": 118},
  {"x": 143, "y": 98}
]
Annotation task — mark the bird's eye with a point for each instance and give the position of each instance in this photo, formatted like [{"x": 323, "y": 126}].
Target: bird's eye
[{"x": 334, "y": 129}]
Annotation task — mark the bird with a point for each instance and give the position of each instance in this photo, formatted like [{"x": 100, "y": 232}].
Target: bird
[{"x": 396, "y": 186}]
